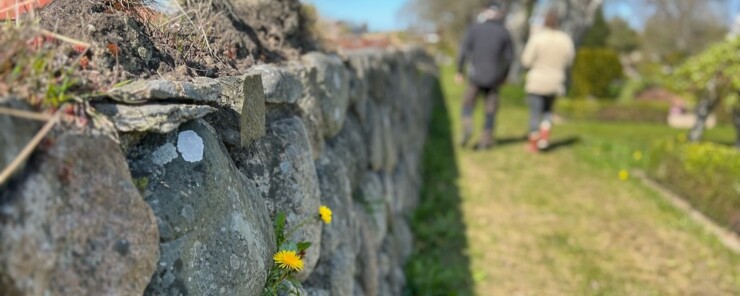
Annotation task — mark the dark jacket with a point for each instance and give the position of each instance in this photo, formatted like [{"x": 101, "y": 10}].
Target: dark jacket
[{"x": 488, "y": 47}]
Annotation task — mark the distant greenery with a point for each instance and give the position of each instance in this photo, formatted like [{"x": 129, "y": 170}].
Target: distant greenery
[
  {"x": 594, "y": 73},
  {"x": 706, "y": 174},
  {"x": 718, "y": 66},
  {"x": 598, "y": 34},
  {"x": 653, "y": 112}
]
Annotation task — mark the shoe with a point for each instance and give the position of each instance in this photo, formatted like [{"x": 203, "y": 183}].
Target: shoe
[
  {"x": 544, "y": 140},
  {"x": 484, "y": 146},
  {"x": 532, "y": 145}
]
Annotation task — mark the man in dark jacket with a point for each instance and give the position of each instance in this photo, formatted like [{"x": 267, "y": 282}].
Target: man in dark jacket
[{"x": 488, "y": 48}]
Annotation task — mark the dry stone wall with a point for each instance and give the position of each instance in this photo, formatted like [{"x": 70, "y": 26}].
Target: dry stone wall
[{"x": 183, "y": 204}]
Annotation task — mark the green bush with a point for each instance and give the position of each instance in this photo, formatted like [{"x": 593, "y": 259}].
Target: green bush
[
  {"x": 595, "y": 71},
  {"x": 651, "y": 112},
  {"x": 706, "y": 174}
]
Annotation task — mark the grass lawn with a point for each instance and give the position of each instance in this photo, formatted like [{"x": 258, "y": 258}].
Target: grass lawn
[{"x": 505, "y": 222}]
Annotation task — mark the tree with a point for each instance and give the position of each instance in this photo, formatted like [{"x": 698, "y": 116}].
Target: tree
[
  {"x": 712, "y": 76},
  {"x": 680, "y": 28},
  {"x": 599, "y": 33},
  {"x": 622, "y": 37}
]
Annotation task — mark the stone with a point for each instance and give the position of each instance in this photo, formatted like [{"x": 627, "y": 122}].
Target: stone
[
  {"x": 390, "y": 147},
  {"x": 310, "y": 291},
  {"x": 75, "y": 224},
  {"x": 349, "y": 146},
  {"x": 331, "y": 90},
  {"x": 335, "y": 273},
  {"x": 367, "y": 271},
  {"x": 216, "y": 237},
  {"x": 15, "y": 132},
  {"x": 202, "y": 89},
  {"x": 157, "y": 118},
  {"x": 241, "y": 119},
  {"x": 336, "y": 266},
  {"x": 282, "y": 166},
  {"x": 281, "y": 84},
  {"x": 310, "y": 112},
  {"x": 358, "y": 64},
  {"x": 374, "y": 134},
  {"x": 336, "y": 193},
  {"x": 370, "y": 196},
  {"x": 252, "y": 124}
]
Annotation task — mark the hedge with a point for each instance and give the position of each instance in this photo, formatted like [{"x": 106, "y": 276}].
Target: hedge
[
  {"x": 706, "y": 174},
  {"x": 594, "y": 73},
  {"x": 649, "y": 112}
]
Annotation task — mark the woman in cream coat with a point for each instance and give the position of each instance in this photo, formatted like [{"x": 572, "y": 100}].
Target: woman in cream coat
[{"x": 547, "y": 55}]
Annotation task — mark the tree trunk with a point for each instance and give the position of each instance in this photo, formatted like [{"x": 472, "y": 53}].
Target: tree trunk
[
  {"x": 703, "y": 109},
  {"x": 517, "y": 22}
]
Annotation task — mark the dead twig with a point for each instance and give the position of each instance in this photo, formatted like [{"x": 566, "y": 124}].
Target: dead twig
[
  {"x": 25, "y": 114},
  {"x": 28, "y": 149}
]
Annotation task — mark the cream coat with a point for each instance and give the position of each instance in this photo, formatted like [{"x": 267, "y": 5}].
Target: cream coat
[{"x": 548, "y": 54}]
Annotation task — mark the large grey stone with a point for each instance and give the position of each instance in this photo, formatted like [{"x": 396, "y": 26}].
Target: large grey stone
[
  {"x": 281, "y": 84},
  {"x": 331, "y": 89},
  {"x": 282, "y": 166},
  {"x": 336, "y": 266},
  {"x": 350, "y": 147},
  {"x": 216, "y": 237},
  {"x": 374, "y": 134},
  {"x": 367, "y": 271},
  {"x": 310, "y": 111},
  {"x": 336, "y": 193},
  {"x": 158, "y": 118},
  {"x": 390, "y": 145},
  {"x": 201, "y": 89},
  {"x": 75, "y": 224},
  {"x": 372, "y": 199},
  {"x": 335, "y": 273}
]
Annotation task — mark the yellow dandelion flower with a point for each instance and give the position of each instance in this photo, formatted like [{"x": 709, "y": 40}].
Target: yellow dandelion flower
[
  {"x": 325, "y": 214},
  {"x": 624, "y": 175},
  {"x": 637, "y": 155},
  {"x": 288, "y": 260}
]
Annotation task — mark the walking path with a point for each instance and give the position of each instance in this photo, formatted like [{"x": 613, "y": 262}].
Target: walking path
[{"x": 554, "y": 224}]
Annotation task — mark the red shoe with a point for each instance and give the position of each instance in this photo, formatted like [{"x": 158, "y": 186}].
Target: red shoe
[
  {"x": 544, "y": 140},
  {"x": 532, "y": 145}
]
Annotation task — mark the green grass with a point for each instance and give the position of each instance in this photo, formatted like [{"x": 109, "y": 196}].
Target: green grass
[{"x": 505, "y": 222}]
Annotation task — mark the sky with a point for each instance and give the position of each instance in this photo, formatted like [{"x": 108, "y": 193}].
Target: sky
[
  {"x": 380, "y": 15},
  {"x": 385, "y": 15}
]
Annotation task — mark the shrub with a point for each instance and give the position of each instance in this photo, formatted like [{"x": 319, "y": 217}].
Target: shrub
[
  {"x": 706, "y": 174},
  {"x": 594, "y": 72},
  {"x": 652, "y": 112}
]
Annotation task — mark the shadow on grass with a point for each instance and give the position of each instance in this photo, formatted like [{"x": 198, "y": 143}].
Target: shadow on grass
[
  {"x": 439, "y": 265},
  {"x": 562, "y": 143}
]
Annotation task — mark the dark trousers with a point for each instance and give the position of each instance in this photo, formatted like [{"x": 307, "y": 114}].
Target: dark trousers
[
  {"x": 540, "y": 111},
  {"x": 491, "y": 105}
]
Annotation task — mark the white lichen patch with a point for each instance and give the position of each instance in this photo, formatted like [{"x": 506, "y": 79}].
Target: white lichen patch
[
  {"x": 190, "y": 145},
  {"x": 164, "y": 154}
]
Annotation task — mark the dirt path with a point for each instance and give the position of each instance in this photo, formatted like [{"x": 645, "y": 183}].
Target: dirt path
[{"x": 553, "y": 224}]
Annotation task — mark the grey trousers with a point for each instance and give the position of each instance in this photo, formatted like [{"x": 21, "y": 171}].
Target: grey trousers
[{"x": 540, "y": 111}]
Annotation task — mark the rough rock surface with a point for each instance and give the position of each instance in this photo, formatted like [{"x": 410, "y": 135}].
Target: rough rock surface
[
  {"x": 331, "y": 89},
  {"x": 282, "y": 85},
  {"x": 76, "y": 225},
  {"x": 215, "y": 233},
  {"x": 158, "y": 118},
  {"x": 202, "y": 89},
  {"x": 282, "y": 166}
]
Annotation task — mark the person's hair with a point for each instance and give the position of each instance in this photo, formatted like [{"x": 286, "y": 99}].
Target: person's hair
[{"x": 552, "y": 20}]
